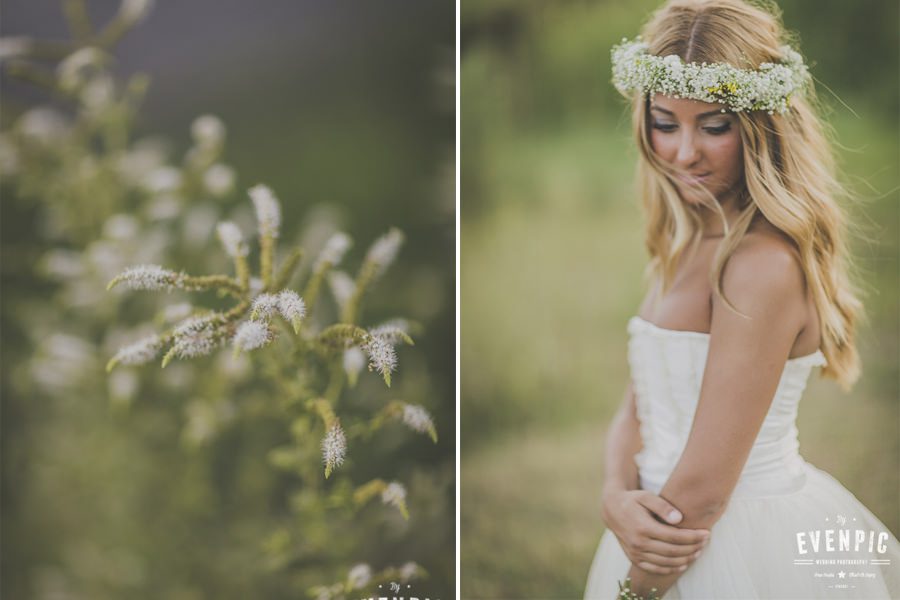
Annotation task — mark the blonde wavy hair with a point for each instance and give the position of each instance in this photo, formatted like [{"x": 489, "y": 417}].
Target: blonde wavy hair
[{"x": 789, "y": 171}]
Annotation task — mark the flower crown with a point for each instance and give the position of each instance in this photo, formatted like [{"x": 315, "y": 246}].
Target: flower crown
[{"x": 768, "y": 88}]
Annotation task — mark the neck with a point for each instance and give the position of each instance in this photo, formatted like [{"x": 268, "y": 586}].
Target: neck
[{"x": 711, "y": 221}]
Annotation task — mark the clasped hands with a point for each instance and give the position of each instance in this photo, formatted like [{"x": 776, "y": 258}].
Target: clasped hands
[{"x": 644, "y": 525}]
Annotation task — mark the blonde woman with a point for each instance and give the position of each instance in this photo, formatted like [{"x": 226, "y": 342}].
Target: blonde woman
[{"x": 706, "y": 495}]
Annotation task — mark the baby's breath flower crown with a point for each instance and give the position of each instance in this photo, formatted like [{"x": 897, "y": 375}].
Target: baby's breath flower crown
[{"x": 768, "y": 88}]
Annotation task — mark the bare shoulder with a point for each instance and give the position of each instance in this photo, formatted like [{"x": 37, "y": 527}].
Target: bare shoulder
[{"x": 765, "y": 272}]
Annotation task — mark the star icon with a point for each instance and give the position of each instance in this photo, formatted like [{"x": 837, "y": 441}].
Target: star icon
[{"x": 841, "y": 574}]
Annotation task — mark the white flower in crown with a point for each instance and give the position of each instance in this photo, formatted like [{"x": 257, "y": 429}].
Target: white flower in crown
[
  {"x": 673, "y": 63},
  {"x": 767, "y": 88}
]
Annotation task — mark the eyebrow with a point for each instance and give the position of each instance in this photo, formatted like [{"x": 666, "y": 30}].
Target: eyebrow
[{"x": 700, "y": 116}]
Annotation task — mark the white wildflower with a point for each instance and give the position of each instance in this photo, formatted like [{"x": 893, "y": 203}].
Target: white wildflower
[
  {"x": 353, "y": 361},
  {"x": 166, "y": 206},
  {"x": 132, "y": 11},
  {"x": 394, "y": 493},
  {"x": 164, "y": 179},
  {"x": 74, "y": 70},
  {"x": 148, "y": 277},
  {"x": 219, "y": 180},
  {"x": 142, "y": 157},
  {"x": 61, "y": 361},
  {"x": 334, "y": 250},
  {"x": 43, "y": 125},
  {"x": 292, "y": 308},
  {"x": 334, "y": 448},
  {"x": 264, "y": 306},
  {"x": 342, "y": 287},
  {"x": 384, "y": 249},
  {"x": 98, "y": 93},
  {"x": 62, "y": 264},
  {"x": 268, "y": 211},
  {"x": 381, "y": 356},
  {"x": 208, "y": 130},
  {"x": 252, "y": 335},
  {"x": 333, "y": 592},
  {"x": 14, "y": 46},
  {"x": 408, "y": 571},
  {"x": 417, "y": 418},
  {"x": 138, "y": 353},
  {"x": 232, "y": 239},
  {"x": 197, "y": 336},
  {"x": 256, "y": 286},
  {"x": 120, "y": 227},
  {"x": 359, "y": 576},
  {"x": 394, "y": 330}
]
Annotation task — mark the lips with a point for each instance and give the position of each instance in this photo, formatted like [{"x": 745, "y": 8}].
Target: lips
[{"x": 693, "y": 179}]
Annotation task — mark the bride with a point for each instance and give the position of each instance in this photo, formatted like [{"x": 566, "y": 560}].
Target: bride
[{"x": 705, "y": 493}]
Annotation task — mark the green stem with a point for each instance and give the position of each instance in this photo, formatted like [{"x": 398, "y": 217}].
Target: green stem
[
  {"x": 286, "y": 270},
  {"x": 266, "y": 258},
  {"x": 78, "y": 19}
]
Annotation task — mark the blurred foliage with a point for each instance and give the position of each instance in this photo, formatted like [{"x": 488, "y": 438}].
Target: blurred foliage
[
  {"x": 551, "y": 261},
  {"x": 205, "y": 479}
]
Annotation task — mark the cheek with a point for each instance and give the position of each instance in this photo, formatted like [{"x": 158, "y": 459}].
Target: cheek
[
  {"x": 663, "y": 145},
  {"x": 728, "y": 153}
]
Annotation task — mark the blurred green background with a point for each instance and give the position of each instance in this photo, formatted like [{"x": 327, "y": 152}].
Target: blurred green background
[
  {"x": 346, "y": 111},
  {"x": 551, "y": 258}
]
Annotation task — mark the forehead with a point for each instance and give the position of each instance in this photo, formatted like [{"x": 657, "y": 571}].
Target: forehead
[{"x": 686, "y": 108}]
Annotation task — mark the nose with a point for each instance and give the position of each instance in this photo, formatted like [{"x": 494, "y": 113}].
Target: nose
[{"x": 688, "y": 149}]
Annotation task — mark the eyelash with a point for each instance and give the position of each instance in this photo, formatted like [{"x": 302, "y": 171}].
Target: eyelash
[{"x": 711, "y": 130}]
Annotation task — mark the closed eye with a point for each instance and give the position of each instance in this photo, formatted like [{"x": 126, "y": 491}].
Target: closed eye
[{"x": 668, "y": 128}]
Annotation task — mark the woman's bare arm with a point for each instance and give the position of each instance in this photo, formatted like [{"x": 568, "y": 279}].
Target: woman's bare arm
[
  {"x": 642, "y": 521},
  {"x": 623, "y": 441},
  {"x": 744, "y": 365}
]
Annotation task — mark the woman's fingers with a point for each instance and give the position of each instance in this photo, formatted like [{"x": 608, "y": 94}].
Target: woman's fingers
[
  {"x": 658, "y": 506},
  {"x": 674, "y": 535},
  {"x": 651, "y": 568},
  {"x": 670, "y": 550},
  {"x": 666, "y": 561}
]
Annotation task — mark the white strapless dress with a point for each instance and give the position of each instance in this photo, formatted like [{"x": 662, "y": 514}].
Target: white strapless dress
[{"x": 790, "y": 530}]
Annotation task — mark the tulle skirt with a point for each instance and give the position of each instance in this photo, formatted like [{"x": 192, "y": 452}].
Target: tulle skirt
[{"x": 779, "y": 547}]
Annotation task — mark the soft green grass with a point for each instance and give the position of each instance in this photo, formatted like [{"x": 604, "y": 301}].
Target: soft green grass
[{"x": 530, "y": 515}]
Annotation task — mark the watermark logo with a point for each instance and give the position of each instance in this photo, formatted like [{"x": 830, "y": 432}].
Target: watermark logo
[
  {"x": 394, "y": 588},
  {"x": 857, "y": 552}
]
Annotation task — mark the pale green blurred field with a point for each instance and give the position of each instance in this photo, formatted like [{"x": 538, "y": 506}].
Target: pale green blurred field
[{"x": 551, "y": 262}]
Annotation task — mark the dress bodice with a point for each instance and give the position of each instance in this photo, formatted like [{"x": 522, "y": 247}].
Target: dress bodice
[{"x": 667, "y": 371}]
